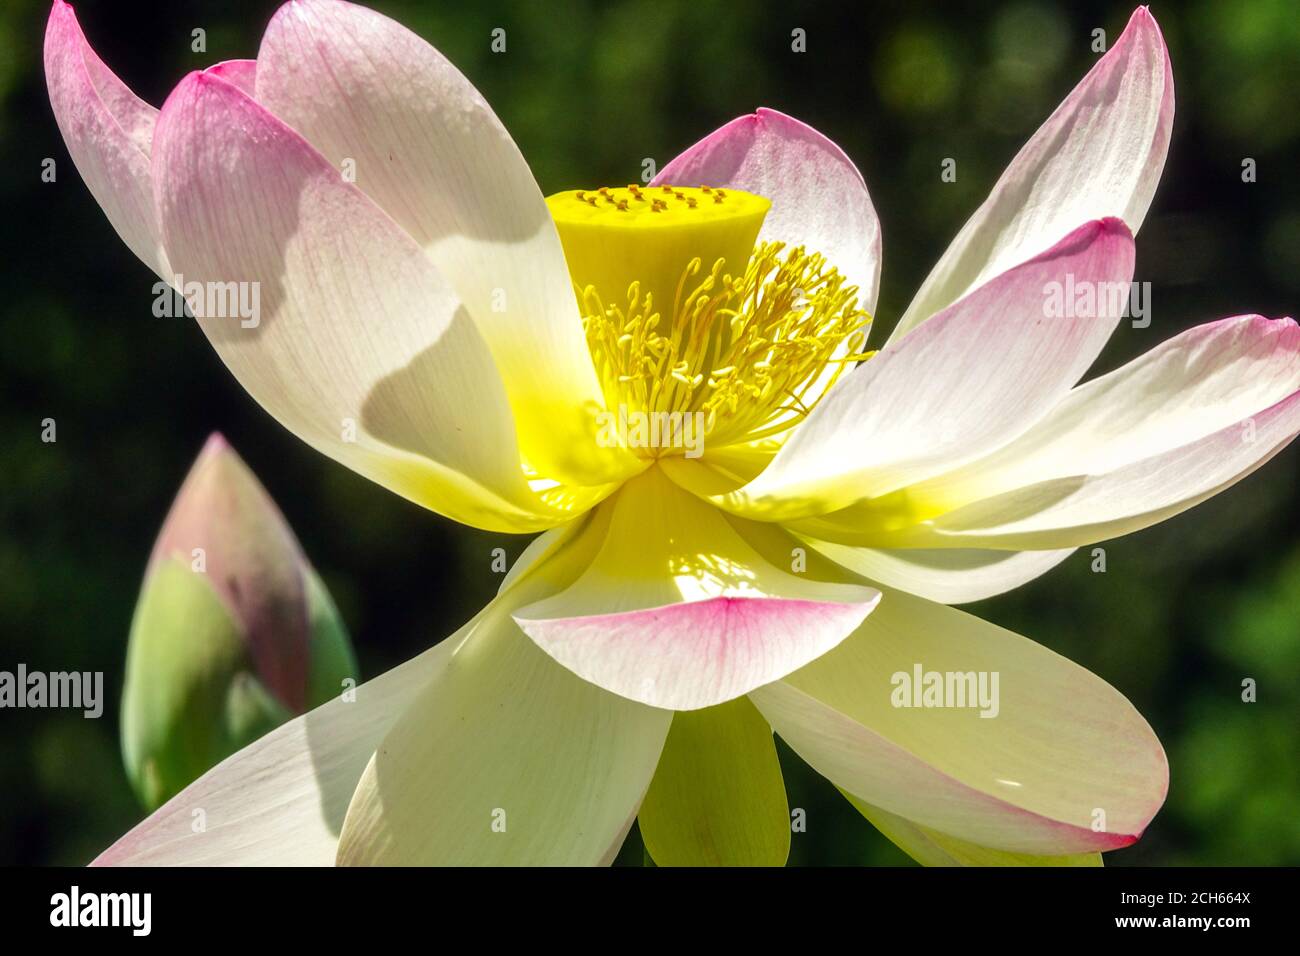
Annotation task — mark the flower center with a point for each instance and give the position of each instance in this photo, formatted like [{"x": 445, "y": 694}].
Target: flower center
[{"x": 693, "y": 326}]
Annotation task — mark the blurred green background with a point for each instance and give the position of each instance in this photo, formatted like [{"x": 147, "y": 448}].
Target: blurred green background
[{"x": 1185, "y": 611}]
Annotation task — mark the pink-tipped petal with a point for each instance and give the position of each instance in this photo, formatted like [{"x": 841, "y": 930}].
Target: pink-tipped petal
[
  {"x": 819, "y": 199},
  {"x": 1177, "y": 425},
  {"x": 977, "y": 376},
  {"x": 352, "y": 338},
  {"x": 241, "y": 74},
  {"x": 1099, "y": 154},
  {"x": 1063, "y": 764},
  {"x": 932, "y": 848},
  {"x": 108, "y": 131},
  {"x": 678, "y": 611},
  {"x": 695, "y": 654},
  {"x": 387, "y": 108}
]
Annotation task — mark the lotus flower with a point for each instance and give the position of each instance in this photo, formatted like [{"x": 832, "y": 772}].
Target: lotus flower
[
  {"x": 234, "y": 633},
  {"x": 440, "y": 327}
]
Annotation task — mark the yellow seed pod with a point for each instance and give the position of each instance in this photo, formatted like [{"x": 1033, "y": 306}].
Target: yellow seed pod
[{"x": 615, "y": 236}]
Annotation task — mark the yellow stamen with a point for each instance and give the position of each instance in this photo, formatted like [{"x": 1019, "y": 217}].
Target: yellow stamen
[
  {"x": 745, "y": 353},
  {"x": 751, "y": 343}
]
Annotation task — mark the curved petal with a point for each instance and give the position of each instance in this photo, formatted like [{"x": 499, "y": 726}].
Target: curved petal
[
  {"x": 241, "y": 74},
  {"x": 932, "y": 848},
  {"x": 351, "y": 339},
  {"x": 717, "y": 797},
  {"x": 1207, "y": 378},
  {"x": 1100, "y": 154},
  {"x": 1175, "y": 426},
  {"x": 945, "y": 575},
  {"x": 1065, "y": 765},
  {"x": 108, "y": 131},
  {"x": 977, "y": 376},
  {"x": 678, "y": 611},
  {"x": 505, "y": 758},
  {"x": 427, "y": 148},
  {"x": 281, "y": 801},
  {"x": 819, "y": 199}
]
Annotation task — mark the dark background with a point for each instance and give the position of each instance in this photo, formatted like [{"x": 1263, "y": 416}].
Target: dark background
[{"x": 1185, "y": 611}]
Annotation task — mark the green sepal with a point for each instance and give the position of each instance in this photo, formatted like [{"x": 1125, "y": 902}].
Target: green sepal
[
  {"x": 332, "y": 661},
  {"x": 717, "y": 797},
  {"x": 191, "y": 697}
]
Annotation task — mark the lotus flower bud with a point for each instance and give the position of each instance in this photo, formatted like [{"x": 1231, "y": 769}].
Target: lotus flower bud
[{"x": 233, "y": 634}]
